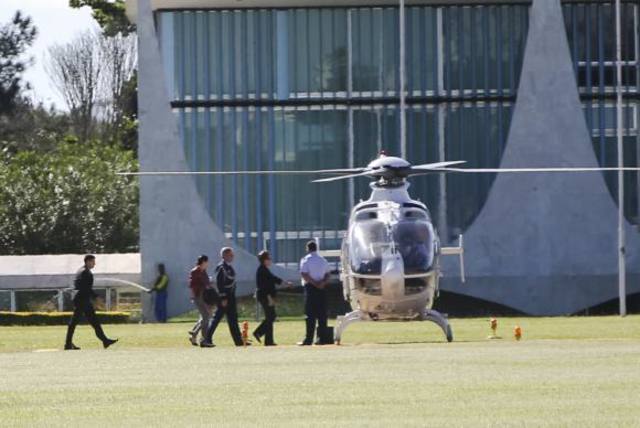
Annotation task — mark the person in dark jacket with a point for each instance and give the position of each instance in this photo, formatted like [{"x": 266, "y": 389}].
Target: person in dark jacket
[
  {"x": 226, "y": 282},
  {"x": 160, "y": 288},
  {"x": 266, "y": 294},
  {"x": 83, "y": 305}
]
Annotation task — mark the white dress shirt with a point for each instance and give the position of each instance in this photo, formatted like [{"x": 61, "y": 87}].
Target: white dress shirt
[{"x": 315, "y": 266}]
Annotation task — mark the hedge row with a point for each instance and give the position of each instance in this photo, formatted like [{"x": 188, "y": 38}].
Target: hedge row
[{"x": 57, "y": 318}]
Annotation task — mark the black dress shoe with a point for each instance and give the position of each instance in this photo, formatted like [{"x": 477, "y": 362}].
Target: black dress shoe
[
  {"x": 270, "y": 344},
  {"x": 207, "y": 345},
  {"x": 71, "y": 347},
  {"x": 109, "y": 342},
  {"x": 305, "y": 343},
  {"x": 257, "y": 337}
]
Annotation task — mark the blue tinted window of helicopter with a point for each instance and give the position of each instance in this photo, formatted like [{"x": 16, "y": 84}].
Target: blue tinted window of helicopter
[
  {"x": 414, "y": 240},
  {"x": 369, "y": 239}
]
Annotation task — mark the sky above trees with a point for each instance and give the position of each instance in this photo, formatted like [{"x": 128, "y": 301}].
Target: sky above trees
[{"x": 57, "y": 23}]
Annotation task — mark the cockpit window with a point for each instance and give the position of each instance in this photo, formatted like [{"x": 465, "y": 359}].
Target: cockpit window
[
  {"x": 415, "y": 214},
  {"x": 367, "y": 215},
  {"x": 368, "y": 241},
  {"x": 414, "y": 240}
]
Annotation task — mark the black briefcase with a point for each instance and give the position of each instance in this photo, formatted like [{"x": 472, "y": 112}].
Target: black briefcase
[
  {"x": 210, "y": 296},
  {"x": 325, "y": 336}
]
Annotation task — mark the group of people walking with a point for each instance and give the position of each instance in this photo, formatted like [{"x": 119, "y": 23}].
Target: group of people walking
[
  {"x": 215, "y": 302},
  {"x": 314, "y": 270}
]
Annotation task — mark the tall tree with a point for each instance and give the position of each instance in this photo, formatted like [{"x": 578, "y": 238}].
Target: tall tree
[
  {"x": 15, "y": 37},
  {"x": 76, "y": 72},
  {"x": 118, "y": 60},
  {"x": 110, "y": 15}
]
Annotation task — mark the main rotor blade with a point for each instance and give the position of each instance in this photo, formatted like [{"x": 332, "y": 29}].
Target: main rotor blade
[
  {"x": 552, "y": 169},
  {"x": 437, "y": 165},
  {"x": 342, "y": 177},
  {"x": 309, "y": 172}
]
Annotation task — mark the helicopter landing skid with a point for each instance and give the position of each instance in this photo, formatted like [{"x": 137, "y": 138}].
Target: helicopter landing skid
[
  {"x": 428, "y": 315},
  {"x": 343, "y": 323},
  {"x": 441, "y": 320}
]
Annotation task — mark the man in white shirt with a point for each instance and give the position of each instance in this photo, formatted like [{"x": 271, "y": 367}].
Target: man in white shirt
[{"x": 314, "y": 270}]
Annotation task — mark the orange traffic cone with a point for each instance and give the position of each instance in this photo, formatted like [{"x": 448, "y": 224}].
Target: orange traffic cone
[
  {"x": 517, "y": 332},
  {"x": 245, "y": 333},
  {"x": 493, "y": 323}
]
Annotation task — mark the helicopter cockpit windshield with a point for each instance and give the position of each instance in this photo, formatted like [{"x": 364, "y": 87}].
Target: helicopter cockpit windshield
[
  {"x": 369, "y": 239},
  {"x": 414, "y": 241}
]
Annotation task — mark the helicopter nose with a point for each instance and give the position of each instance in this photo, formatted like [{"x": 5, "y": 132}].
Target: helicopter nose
[{"x": 392, "y": 276}]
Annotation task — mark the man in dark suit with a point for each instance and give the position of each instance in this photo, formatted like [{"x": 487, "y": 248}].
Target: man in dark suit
[
  {"x": 226, "y": 282},
  {"x": 83, "y": 305}
]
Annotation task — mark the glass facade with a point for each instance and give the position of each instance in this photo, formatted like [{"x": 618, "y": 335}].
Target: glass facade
[
  {"x": 591, "y": 33},
  {"x": 317, "y": 88}
]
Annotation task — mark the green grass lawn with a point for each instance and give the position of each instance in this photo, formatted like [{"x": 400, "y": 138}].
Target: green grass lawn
[{"x": 565, "y": 372}]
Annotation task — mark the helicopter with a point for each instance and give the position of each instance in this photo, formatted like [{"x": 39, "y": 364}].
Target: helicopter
[{"x": 390, "y": 255}]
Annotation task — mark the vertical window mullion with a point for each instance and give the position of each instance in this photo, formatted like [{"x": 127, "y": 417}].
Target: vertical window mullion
[
  {"x": 193, "y": 51},
  {"x": 219, "y": 18},
  {"x": 183, "y": 54},
  {"x": 499, "y": 49},
  {"x": 258, "y": 148},
  {"x": 208, "y": 151},
  {"x": 271, "y": 184},
  {"x": 257, "y": 37},
  {"x": 472, "y": 50},
  {"x": 307, "y": 31},
  {"x": 485, "y": 47},
  {"x": 587, "y": 36},
  {"x": 234, "y": 167},
  {"x": 512, "y": 35},
  {"x": 219, "y": 159},
  {"x": 320, "y": 54},
  {"x": 576, "y": 41},
  {"x": 244, "y": 55},
  {"x": 460, "y": 36},
  {"x": 245, "y": 180},
  {"x": 447, "y": 49},
  {"x": 601, "y": 53}
]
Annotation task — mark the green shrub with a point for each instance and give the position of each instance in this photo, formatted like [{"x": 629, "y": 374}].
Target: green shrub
[{"x": 57, "y": 318}]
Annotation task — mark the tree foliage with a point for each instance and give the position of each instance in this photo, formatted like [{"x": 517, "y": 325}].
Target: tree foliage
[
  {"x": 68, "y": 200},
  {"x": 33, "y": 127},
  {"x": 110, "y": 15},
  {"x": 15, "y": 38}
]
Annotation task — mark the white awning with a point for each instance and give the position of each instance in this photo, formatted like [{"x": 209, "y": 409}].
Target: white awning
[{"x": 58, "y": 271}]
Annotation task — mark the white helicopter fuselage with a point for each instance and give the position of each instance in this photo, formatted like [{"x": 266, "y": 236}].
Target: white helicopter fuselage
[{"x": 390, "y": 256}]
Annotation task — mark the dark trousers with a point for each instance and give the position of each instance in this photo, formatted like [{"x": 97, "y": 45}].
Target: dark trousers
[
  {"x": 315, "y": 310},
  {"x": 83, "y": 306},
  {"x": 160, "y": 308},
  {"x": 231, "y": 311},
  {"x": 266, "y": 326}
]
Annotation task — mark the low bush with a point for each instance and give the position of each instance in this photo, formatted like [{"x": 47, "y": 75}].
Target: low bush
[{"x": 58, "y": 318}]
